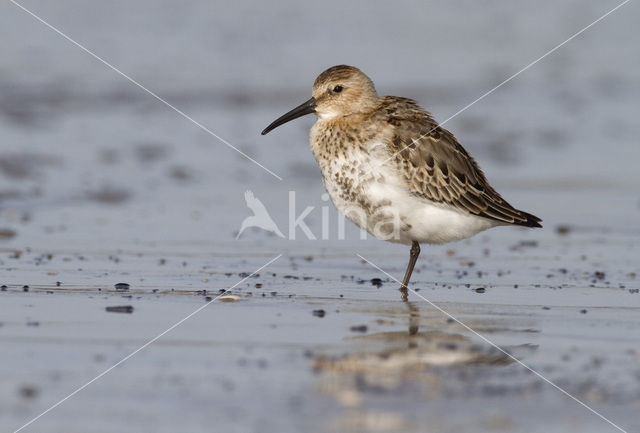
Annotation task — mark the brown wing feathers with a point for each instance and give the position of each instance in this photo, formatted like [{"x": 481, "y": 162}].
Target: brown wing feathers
[{"x": 449, "y": 175}]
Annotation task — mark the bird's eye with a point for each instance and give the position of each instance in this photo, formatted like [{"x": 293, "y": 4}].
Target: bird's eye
[{"x": 337, "y": 89}]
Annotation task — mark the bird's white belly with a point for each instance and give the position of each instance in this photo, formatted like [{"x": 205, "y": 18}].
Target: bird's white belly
[{"x": 377, "y": 200}]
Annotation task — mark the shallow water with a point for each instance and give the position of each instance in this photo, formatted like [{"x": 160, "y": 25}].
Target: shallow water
[{"x": 102, "y": 184}]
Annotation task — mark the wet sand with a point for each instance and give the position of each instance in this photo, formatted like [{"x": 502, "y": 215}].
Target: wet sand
[{"x": 369, "y": 362}]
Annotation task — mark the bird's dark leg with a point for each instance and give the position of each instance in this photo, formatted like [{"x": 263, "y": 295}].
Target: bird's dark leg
[{"x": 413, "y": 257}]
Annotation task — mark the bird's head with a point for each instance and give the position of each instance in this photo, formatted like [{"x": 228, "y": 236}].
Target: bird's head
[{"x": 337, "y": 92}]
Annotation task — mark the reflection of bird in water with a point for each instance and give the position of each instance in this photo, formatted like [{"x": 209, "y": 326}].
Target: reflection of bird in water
[
  {"x": 403, "y": 354},
  {"x": 414, "y": 319},
  {"x": 436, "y": 361},
  {"x": 260, "y": 217}
]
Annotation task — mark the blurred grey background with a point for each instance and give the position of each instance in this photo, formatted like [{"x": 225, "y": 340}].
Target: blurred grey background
[{"x": 84, "y": 152}]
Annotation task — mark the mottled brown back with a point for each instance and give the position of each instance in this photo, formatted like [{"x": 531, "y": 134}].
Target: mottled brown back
[{"x": 439, "y": 169}]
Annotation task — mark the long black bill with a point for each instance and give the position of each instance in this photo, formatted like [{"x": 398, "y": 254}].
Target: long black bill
[{"x": 301, "y": 110}]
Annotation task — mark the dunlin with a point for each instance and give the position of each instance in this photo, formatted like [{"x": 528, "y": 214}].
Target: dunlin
[{"x": 390, "y": 168}]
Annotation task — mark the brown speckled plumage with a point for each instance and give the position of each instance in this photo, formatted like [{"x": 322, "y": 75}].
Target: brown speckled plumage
[
  {"x": 390, "y": 168},
  {"x": 438, "y": 168}
]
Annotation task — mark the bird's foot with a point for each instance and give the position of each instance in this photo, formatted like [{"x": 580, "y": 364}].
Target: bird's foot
[{"x": 404, "y": 293}]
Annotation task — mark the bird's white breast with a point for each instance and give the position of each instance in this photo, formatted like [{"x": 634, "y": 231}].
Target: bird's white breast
[{"x": 373, "y": 194}]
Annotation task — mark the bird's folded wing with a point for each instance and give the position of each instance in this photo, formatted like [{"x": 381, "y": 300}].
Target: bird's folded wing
[{"x": 439, "y": 169}]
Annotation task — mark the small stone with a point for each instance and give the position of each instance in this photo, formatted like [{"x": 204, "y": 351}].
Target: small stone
[
  {"x": 319, "y": 313},
  {"x": 128, "y": 309},
  {"x": 480, "y": 290},
  {"x": 359, "y": 328},
  {"x": 122, "y": 287}
]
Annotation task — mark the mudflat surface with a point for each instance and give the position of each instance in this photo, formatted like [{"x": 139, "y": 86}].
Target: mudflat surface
[{"x": 101, "y": 184}]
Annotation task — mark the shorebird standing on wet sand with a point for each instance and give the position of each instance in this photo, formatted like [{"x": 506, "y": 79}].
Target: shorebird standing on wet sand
[{"x": 390, "y": 168}]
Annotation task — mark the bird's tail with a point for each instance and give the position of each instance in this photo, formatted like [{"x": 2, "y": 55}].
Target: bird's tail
[{"x": 529, "y": 220}]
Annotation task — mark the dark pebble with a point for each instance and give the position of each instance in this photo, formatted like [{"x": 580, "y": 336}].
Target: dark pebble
[
  {"x": 58, "y": 283},
  {"x": 318, "y": 313},
  {"x": 28, "y": 391},
  {"x": 583, "y": 311},
  {"x": 122, "y": 287},
  {"x": 376, "y": 282},
  {"x": 208, "y": 298},
  {"x": 120, "y": 309},
  {"x": 25, "y": 288},
  {"x": 33, "y": 323},
  {"x": 480, "y": 290},
  {"x": 3, "y": 288},
  {"x": 359, "y": 328},
  {"x": 274, "y": 293}
]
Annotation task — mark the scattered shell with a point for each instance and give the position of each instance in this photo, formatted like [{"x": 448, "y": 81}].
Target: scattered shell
[{"x": 229, "y": 298}]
